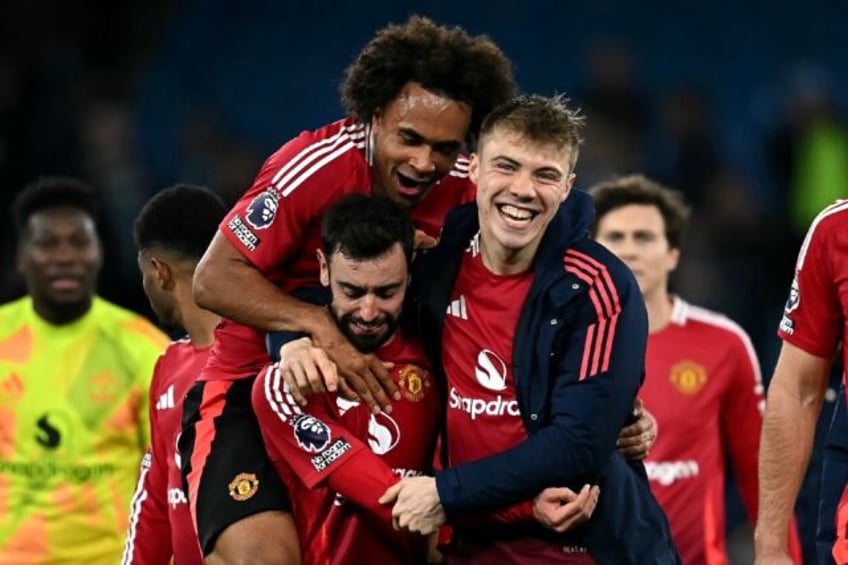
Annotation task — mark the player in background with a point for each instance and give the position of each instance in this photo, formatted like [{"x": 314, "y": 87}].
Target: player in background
[
  {"x": 812, "y": 328},
  {"x": 541, "y": 334},
  {"x": 702, "y": 377},
  {"x": 415, "y": 94},
  {"x": 74, "y": 375},
  {"x": 171, "y": 233}
]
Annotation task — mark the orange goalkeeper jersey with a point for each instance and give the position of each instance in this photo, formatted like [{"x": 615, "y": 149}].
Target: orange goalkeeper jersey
[{"x": 73, "y": 427}]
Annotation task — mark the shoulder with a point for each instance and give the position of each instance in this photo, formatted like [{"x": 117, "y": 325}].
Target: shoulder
[
  {"x": 127, "y": 326},
  {"x": 596, "y": 265},
  {"x": 830, "y": 225},
  {"x": 711, "y": 326},
  {"x": 12, "y": 313}
]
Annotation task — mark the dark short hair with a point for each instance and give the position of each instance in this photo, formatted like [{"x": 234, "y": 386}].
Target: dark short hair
[
  {"x": 52, "y": 192},
  {"x": 541, "y": 119},
  {"x": 365, "y": 227},
  {"x": 181, "y": 219},
  {"x": 640, "y": 190},
  {"x": 446, "y": 61}
]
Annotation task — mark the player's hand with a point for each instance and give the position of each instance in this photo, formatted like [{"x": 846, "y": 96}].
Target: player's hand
[
  {"x": 417, "y": 507},
  {"x": 561, "y": 509},
  {"x": 361, "y": 375},
  {"x": 306, "y": 369},
  {"x": 637, "y": 439},
  {"x": 433, "y": 554},
  {"x": 424, "y": 241}
]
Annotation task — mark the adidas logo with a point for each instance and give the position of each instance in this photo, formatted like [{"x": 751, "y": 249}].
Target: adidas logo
[
  {"x": 166, "y": 400},
  {"x": 457, "y": 308}
]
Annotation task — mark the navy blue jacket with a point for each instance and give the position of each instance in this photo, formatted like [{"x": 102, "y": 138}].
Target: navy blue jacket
[{"x": 572, "y": 411}]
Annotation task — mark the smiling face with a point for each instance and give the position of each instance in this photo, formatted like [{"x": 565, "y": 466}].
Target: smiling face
[
  {"x": 636, "y": 234},
  {"x": 520, "y": 186},
  {"x": 367, "y": 295},
  {"x": 59, "y": 257},
  {"x": 417, "y": 139}
]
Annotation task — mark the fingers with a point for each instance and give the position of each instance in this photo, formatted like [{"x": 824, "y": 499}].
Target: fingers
[
  {"x": 580, "y": 509},
  {"x": 424, "y": 241},
  {"x": 390, "y": 495},
  {"x": 346, "y": 392},
  {"x": 557, "y": 494},
  {"x": 292, "y": 384}
]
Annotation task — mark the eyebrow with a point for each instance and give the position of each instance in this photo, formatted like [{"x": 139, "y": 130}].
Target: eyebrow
[
  {"x": 512, "y": 161},
  {"x": 358, "y": 288},
  {"x": 444, "y": 145}
]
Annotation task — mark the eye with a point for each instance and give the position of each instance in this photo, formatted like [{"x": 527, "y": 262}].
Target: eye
[
  {"x": 505, "y": 166},
  {"x": 386, "y": 294},
  {"x": 354, "y": 292}
]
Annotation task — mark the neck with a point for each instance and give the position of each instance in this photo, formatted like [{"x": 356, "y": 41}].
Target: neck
[
  {"x": 198, "y": 323},
  {"x": 502, "y": 261},
  {"x": 660, "y": 307},
  {"x": 61, "y": 314}
]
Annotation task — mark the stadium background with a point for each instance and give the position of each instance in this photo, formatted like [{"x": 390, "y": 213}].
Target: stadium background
[{"x": 741, "y": 105}]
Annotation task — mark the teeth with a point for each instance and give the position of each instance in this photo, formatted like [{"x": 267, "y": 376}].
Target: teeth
[{"x": 516, "y": 213}]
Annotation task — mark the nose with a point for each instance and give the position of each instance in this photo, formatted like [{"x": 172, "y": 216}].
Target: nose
[
  {"x": 523, "y": 186},
  {"x": 368, "y": 310},
  {"x": 422, "y": 160},
  {"x": 64, "y": 252}
]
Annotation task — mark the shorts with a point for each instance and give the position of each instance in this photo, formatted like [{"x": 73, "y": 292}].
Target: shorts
[{"x": 226, "y": 470}]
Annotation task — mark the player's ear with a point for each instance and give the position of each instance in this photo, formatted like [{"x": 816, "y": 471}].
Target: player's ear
[
  {"x": 164, "y": 274},
  {"x": 474, "y": 167},
  {"x": 325, "y": 268}
]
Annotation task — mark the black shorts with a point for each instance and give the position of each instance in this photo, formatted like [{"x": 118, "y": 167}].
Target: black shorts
[{"x": 226, "y": 470}]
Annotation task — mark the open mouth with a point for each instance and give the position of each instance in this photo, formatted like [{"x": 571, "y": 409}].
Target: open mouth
[
  {"x": 409, "y": 186},
  {"x": 516, "y": 215}
]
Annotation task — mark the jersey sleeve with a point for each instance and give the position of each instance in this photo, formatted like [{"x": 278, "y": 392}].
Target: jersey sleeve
[
  {"x": 811, "y": 318},
  {"x": 742, "y": 416},
  {"x": 144, "y": 345},
  {"x": 290, "y": 193},
  {"x": 313, "y": 443},
  {"x": 149, "y": 533}
]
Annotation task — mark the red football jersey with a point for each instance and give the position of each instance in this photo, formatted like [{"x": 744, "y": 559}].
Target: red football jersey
[
  {"x": 816, "y": 315},
  {"x": 160, "y": 522},
  {"x": 277, "y": 223},
  {"x": 483, "y": 416},
  {"x": 323, "y": 449},
  {"x": 704, "y": 388}
]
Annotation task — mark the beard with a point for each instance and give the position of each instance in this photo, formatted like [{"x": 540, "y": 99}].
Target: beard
[{"x": 366, "y": 343}]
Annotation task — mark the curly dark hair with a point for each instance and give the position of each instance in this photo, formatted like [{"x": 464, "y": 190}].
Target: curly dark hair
[
  {"x": 181, "y": 219},
  {"x": 444, "y": 60},
  {"x": 638, "y": 189},
  {"x": 52, "y": 192}
]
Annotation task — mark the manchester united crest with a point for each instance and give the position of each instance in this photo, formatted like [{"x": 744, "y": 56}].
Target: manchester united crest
[
  {"x": 243, "y": 486},
  {"x": 414, "y": 382},
  {"x": 688, "y": 376}
]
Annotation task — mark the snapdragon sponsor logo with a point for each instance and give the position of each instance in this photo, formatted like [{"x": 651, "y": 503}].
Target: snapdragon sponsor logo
[
  {"x": 491, "y": 372},
  {"x": 44, "y": 470},
  {"x": 667, "y": 472}
]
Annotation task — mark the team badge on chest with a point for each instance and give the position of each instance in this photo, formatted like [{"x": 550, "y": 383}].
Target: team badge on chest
[
  {"x": 688, "y": 377},
  {"x": 414, "y": 382}
]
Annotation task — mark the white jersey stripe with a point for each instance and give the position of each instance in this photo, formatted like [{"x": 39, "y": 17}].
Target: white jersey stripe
[
  {"x": 138, "y": 499},
  {"x": 320, "y": 164},
  {"x": 686, "y": 311},
  {"x": 295, "y": 176},
  {"x": 317, "y": 145},
  {"x": 835, "y": 208}
]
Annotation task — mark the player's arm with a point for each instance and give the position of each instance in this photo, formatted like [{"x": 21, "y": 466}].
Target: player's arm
[
  {"x": 249, "y": 244},
  {"x": 149, "y": 533},
  {"x": 312, "y": 442},
  {"x": 795, "y": 397}
]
